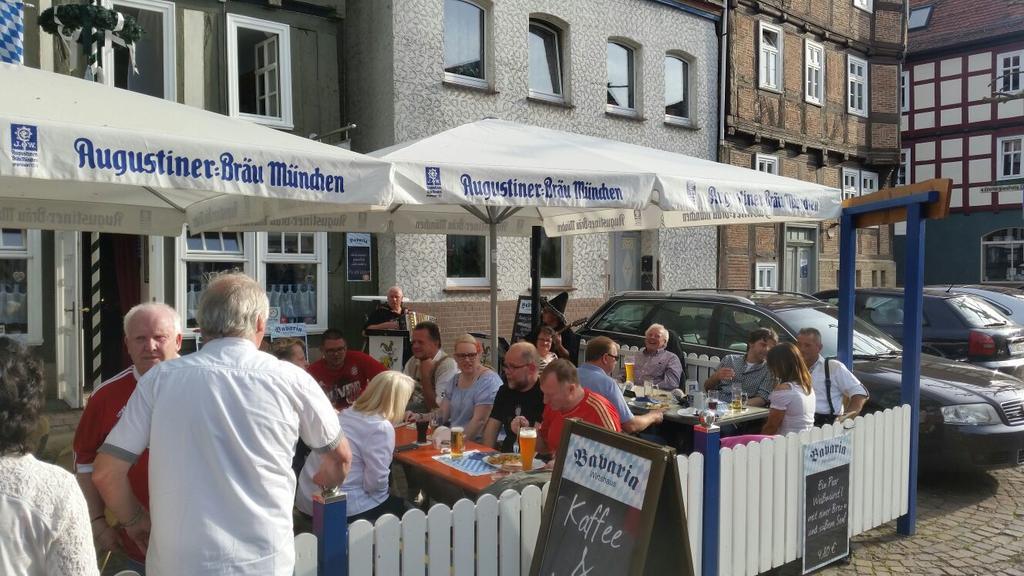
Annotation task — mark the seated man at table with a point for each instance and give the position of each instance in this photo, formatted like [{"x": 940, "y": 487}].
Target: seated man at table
[
  {"x": 429, "y": 366},
  {"x": 749, "y": 370},
  {"x": 602, "y": 355},
  {"x": 655, "y": 363},
  {"x": 387, "y": 316},
  {"x": 564, "y": 398},
  {"x": 520, "y": 396},
  {"x": 343, "y": 374}
]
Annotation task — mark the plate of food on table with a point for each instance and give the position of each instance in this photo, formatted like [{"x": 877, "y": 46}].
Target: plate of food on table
[{"x": 510, "y": 461}]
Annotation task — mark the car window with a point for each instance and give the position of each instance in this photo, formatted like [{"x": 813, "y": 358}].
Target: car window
[
  {"x": 866, "y": 338},
  {"x": 736, "y": 324},
  {"x": 626, "y": 316},
  {"x": 976, "y": 312},
  {"x": 882, "y": 310},
  {"x": 691, "y": 321}
]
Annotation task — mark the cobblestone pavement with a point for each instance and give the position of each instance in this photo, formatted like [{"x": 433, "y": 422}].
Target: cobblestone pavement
[{"x": 967, "y": 523}]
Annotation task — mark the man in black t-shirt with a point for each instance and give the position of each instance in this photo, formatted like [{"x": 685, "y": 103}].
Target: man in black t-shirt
[
  {"x": 388, "y": 316},
  {"x": 521, "y": 396}
]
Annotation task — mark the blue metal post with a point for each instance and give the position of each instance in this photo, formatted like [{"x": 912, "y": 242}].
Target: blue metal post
[
  {"x": 330, "y": 524},
  {"x": 911, "y": 389},
  {"x": 706, "y": 441},
  {"x": 847, "y": 284}
]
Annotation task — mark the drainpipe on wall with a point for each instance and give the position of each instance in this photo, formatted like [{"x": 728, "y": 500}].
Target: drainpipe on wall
[{"x": 723, "y": 50}]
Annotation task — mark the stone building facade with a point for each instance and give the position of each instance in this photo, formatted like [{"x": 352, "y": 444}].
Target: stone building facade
[
  {"x": 398, "y": 90},
  {"x": 812, "y": 93}
]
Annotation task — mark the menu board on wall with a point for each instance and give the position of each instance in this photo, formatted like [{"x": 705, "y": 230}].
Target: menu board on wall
[
  {"x": 614, "y": 507},
  {"x": 826, "y": 501},
  {"x": 357, "y": 257}
]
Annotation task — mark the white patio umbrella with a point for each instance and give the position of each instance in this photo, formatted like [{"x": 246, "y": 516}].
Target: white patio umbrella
[
  {"x": 77, "y": 155},
  {"x": 511, "y": 176}
]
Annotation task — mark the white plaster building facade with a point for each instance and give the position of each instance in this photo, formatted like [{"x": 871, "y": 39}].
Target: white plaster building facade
[{"x": 418, "y": 67}]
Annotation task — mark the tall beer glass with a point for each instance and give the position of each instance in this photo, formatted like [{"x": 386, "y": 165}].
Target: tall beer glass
[
  {"x": 458, "y": 441},
  {"x": 527, "y": 446},
  {"x": 630, "y": 367}
]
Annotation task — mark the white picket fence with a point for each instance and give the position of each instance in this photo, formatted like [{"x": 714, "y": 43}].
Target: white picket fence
[{"x": 760, "y": 508}]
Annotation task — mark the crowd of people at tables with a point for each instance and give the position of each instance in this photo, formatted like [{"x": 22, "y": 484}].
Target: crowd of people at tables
[{"x": 182, "y": 464}]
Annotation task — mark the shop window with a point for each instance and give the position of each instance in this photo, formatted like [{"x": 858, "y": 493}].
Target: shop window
[
  {"x": 259, "y": 71},
  {"x": 1002, "y": 255},
  {"x": 21, "y": 285}
]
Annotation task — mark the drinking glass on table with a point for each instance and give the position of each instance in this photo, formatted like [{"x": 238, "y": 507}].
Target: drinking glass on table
[
  {"x": 527, "y": 446},
  {"x": 422, "y": 423},
  {"x": 458, "y": 441},
  {"x": 712, "y": 398},
  {"x": 648, "y": 388}
]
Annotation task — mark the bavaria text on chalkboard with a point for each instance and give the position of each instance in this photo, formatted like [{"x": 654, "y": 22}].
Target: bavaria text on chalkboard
[
  {"x": 826, "y": 501},
  {"x": 602, "y": 505}
]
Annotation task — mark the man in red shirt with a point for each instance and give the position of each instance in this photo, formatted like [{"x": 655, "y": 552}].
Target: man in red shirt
[
  {"x": 342, "y": 373},
  {"x": 152, "y": 334},
  {"x": 565, "y": 398}
]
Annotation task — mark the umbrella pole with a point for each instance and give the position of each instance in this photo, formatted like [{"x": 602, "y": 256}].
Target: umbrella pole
[
  {"x": 536, "y": 239},
  {"x": 492, "y": 239}
]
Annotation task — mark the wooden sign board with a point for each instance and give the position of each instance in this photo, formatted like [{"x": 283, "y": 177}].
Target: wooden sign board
[
  {"x": 523, "y": 323},
  {"x": 388, "y": 347},
  {"x": 933, "y": 211},
  {"x": 826, "y": 517},
  {"x": 614, "y": 506}
]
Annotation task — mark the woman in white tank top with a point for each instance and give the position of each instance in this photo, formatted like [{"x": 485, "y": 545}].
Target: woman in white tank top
[{"x": 792, "y": 401}]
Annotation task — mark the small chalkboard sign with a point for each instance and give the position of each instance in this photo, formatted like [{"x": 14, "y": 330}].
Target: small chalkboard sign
[
  {"x": 826, "y": 515},
  {"x": 614, "y": 506},
  {"x": 523, "y": 324}
]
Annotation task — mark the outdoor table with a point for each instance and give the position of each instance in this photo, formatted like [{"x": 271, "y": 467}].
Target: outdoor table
[{"x": 440, "y": 481}]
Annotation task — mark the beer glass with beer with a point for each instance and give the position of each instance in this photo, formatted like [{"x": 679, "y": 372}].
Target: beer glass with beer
[
  {"x": 527, "y": 446},
  {"x": 458, "y": 441},
  {"x": 630, "y": 365}
]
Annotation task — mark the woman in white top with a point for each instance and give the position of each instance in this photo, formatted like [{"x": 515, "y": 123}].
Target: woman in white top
[
  {"x": 44, "y": 521},
  {"x": 792, "y": 401},
  {"x": 545, "y": 339},
  {"x": 369, "y": 426}
]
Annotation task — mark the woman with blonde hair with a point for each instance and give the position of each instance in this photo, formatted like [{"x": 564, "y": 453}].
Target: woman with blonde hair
[
  {"x": 469, "y": 395},
  {"x": 792, "y": 400},
  {"x": 369, "y": 425}
]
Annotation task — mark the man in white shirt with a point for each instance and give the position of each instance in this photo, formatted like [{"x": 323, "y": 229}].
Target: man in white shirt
[
  {"x": 831, "y": 382},
  {"x": 221, "y": 425},
  {"x": 429, "y": 366}
]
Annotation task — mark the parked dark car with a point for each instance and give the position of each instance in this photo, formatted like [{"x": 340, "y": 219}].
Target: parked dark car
[
  {"x": 970, "y": 416},
  {"x": 960, "y": 327},
  {"x": 1007, "y": 299}
]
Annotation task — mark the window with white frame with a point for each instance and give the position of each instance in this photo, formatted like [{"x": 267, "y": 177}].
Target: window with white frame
[
  {"x": 677, "y": 88},
  {"x": 903, "y": 176},
  {"x": 466, "y": 260},
  {"x": 814, "y": 72},
  {"x": 259, "y": 71},
  {"x": 21, "y": 289},
  {"x": 868, "y": 182},
  {"x": 1010, "y": 71},
  {"x": 770, "y": 57},
  {"x": 766, "y": 163},
  {"x": 465, "y": 42},
  {"x": 851, "y": 183},
  {"x": 1002, "y": 255},
  {"x": 546, "y": 61},
  {"x": 554, "y": 262},
  {"x": 289, "y": 265},
  {"x": 905, "y": 92},
  {"x": 621, "y": 77},
  {"x": 766, "y": 276},
  {"x": 1009, "y": 157},
  {"x": 292, "y": 272},
  {"x": 863, "y": 4},
  {"x": 155, "y": 65},
  {"x": 857, "y": 85}
]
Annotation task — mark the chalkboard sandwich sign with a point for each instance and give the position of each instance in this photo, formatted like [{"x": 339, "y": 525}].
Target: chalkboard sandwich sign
[
  {"x": 614, "y": 506},
  {"x": 826, "y": 517}
]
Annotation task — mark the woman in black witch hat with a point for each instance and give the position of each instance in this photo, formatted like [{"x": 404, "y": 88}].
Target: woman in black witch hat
[{"x": 552, "y": 313}]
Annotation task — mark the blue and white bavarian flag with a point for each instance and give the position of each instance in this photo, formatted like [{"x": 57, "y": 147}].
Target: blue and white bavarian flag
[{"x": 12, "y": 31}]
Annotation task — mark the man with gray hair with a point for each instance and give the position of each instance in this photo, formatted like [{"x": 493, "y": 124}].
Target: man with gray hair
[
  {"x": 655, "y": 363},
  {"x": 221, "y": 425},
  {"x": 152, "y": 334}
]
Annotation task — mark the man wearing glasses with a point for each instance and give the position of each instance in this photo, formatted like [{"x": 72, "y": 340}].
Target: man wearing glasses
[
  {"x": 342, "y": 373},
  {"x": 521, "y": 396},
  {"x": 602, "y": 356}
]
